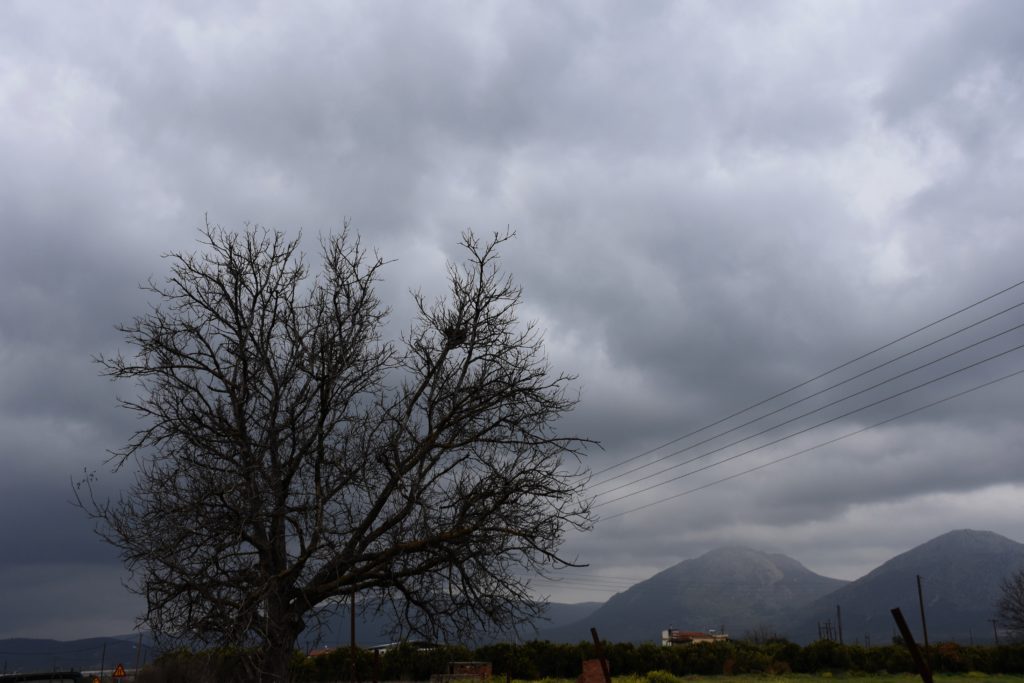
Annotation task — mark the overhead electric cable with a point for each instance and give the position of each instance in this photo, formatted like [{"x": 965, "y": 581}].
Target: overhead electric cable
[
  {"x": 811, "y": 448},
  {"x": 798, "y": 417},
  {"x": 799, "y": 432},
  {"x": 573, "y": 583},
  {"x": 810, "y": 396},
  {"x": 812, "y": 379}
]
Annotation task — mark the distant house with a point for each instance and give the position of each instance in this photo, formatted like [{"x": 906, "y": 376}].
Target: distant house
[
  {"x": 415, "y": 644},
  {"x": 670, "y": 637}
]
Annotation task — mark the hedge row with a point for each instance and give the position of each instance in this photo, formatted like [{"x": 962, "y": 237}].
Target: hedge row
[{"x": 541, "y": 659}]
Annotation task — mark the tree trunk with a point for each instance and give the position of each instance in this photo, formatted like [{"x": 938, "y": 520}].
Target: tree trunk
[
  {"x": 282, "y": 632},
  {"x": 276, "y": 658}
]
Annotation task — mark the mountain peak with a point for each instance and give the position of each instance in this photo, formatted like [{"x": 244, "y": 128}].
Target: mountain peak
[
  {"x": 951, "y": 553},
  {"x": 959, "y": 572},
  {"x": 744, "y": 589},
  {"x": 735, "y": 587}
]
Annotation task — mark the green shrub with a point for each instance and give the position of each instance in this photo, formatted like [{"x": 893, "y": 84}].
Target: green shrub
[
  {"x": 662, "y": 676},
  {"x": 823, "y": 655}
]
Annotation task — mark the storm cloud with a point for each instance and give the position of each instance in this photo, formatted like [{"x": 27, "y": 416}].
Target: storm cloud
[{"x": 713, "y": 202}]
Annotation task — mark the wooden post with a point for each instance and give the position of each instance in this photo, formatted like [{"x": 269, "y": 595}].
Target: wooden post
[
  {"x": 600, "y": 655},
  {"x": 839, "y": 623},
  {"x": 908, "y": 640}
]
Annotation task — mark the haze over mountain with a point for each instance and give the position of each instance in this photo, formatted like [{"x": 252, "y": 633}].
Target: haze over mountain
[
  {"x": 735, "y": 588},
  {"x": 40, "y": 654},
  {"x": 744, "y": 590},
  {"x": 374, "y": 629},
  {"x": 961, "y": 572}
]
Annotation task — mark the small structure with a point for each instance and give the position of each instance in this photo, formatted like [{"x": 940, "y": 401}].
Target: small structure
[
  {"x": 464, "y": 671},
  {"x": 670, "y": 637},
  {"x": 419, "y": 645},
  {"x": 592, "y": 672}
]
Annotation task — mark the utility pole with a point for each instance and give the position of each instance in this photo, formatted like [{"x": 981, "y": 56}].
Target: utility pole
[
  {"x": 352, "y": 626},
  {"x": 839, "y": 623},
  {"x": 138, "y": 654},
  {"x": 103, "y": 660},
  {"x": 995, "y": 633},
  {"x": 924, "y": 624}
]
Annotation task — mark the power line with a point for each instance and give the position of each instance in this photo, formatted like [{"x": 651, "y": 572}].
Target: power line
[
  {"x": 806, "y": 382},
  {"x": 592, "y": 584},
  {"x": 816, "y": 410},
  {"x": 812, "y": 427},
  {"x": 807, "y": 450},
  {"x": 810, "y": 396}
]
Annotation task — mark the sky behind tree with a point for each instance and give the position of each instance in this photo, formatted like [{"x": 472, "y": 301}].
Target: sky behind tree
[{"x": 713, "y": 202}]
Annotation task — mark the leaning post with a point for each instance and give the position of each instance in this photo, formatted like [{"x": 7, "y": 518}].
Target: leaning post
[
  {"x": 600, "y": 656},
  {"x": 915, "y": 652}
]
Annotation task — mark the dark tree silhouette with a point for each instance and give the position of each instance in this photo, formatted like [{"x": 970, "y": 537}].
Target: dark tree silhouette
[
  {"x": 1010, "y": 610},
  {"x": 290, "y": 457}
]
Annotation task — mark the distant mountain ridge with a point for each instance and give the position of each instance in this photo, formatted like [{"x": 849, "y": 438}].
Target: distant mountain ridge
[
  {"x": 746, "y": 590},
  {"x": 960, "y": 574},
  {"x": 39, "y": 654},
  {"x": 736, "y": 588}
]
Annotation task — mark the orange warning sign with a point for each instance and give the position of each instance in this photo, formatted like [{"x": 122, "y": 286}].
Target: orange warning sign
[{"x": 119, "y": 671}]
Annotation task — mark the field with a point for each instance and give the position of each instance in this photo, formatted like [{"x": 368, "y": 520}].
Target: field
[{"x": 973, "y": 677}]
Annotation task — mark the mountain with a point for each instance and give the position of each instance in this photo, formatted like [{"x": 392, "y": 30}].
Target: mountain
[
  {"x": 375, "y": 629},
  {"x": 737, "y": 589},
  {"x": 961, "y": 573},
  {"x": 38, "y": 654}
]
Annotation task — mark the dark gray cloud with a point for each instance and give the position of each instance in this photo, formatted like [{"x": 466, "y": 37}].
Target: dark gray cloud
[{"x": 713, "y": 203}]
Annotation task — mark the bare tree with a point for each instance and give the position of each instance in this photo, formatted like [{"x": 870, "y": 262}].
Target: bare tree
[
  {"x": 290, "y": 457},
  {"x": 1010, "y": 609}
]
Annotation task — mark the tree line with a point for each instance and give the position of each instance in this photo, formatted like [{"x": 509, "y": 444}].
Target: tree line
[{"x": 535, "y": 660}]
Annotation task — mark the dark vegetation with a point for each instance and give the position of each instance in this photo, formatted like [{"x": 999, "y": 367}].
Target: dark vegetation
[
  {"x": 541, "y": 659},
  {"x": 1011, "y": 603}
]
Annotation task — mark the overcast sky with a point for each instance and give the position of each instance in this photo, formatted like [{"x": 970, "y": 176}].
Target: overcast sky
[{"x": 714, "y": 202}]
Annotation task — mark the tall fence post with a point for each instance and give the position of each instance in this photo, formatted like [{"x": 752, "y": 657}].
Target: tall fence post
[
  {"x": 600, "y": 655},
  {"x": 908, "y": 640}
]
